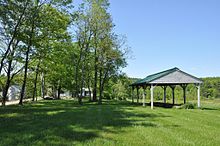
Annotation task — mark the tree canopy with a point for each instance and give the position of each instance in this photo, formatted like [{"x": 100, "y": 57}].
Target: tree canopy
[{"x": 48, "y": 46}]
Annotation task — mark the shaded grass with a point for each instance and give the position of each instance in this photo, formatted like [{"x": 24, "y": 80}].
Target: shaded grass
[{"x": 64, "y": 122}]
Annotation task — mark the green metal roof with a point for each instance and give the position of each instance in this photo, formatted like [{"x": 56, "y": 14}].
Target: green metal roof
[{"x": 154, "y": 76}]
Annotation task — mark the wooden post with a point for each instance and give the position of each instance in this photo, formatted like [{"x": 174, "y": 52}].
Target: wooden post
[
  {"x": 173, "y": 92},
  {"x": 184, "y": 92},
  {"x": 152, "y": 96},
  {"x": 144, "y": 98},
  {"x": 198, "y": 92},
  {"x": 132, "y": 94},
  {"x": 184, "y": 95},
  {"x": 164, "y": 94},
  {"x": 137, "y": 94}
]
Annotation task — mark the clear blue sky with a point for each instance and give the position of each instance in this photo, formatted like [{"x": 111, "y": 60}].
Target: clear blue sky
[{"x": 170, "y": 33}]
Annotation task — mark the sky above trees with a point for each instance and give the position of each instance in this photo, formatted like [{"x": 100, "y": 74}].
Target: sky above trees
[{"x": 165, "y": 34}]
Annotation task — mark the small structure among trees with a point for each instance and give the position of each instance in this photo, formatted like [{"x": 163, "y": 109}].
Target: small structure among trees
[{"x": 168, "y": 78}]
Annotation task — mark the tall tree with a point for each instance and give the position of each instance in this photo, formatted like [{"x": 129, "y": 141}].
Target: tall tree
[
  {"x": 97, "y": 42},
  {"x": 59, "y": 22},
  {"x": 11, "y": 23},
  {"x": 30, "y": 21},
  {"x": 83, "y": 36}
]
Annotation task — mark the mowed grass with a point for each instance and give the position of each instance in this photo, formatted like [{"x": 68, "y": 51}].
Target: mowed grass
[{"x": 64, "y": 122}]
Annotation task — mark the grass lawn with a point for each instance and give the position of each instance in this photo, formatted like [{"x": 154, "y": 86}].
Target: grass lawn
[{"x": 64, "y": 122}]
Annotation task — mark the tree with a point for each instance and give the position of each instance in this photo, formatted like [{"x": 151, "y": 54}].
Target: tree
[
  {"x": 96, "y": 41},
  {"x": 35, "y": 42},
  {"x": 11, "y": 22},
  {"x": 83, "y": 36},
  {"x": 58, "y": 30},
  {"x": 31, "y": 18}
]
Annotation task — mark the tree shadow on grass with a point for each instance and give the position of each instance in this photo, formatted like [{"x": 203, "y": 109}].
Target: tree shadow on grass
[
  {"x": 165, "y": 105},
  {"x": 157, "y": 104},
  {"x": 66, "y": 123},
  {"x": 210, "y": 109}
]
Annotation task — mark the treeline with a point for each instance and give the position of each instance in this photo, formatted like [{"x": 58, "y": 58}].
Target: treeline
[
  {"x": 211, "y": 87},
  {"x": 54, "y": 45}
]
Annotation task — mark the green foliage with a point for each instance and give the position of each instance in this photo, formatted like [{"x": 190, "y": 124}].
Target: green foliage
[
  {"x": 101, "y": 52},
  {"x": 118, "y": 87},
  {"x": 211, "y": 87},
  {"x": 30, "y": 30}
]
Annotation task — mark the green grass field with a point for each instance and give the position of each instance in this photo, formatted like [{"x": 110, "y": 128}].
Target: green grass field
[{"x": 64, "y": 122}]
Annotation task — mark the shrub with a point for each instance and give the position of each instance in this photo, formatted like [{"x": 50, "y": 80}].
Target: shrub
[{"x": 188, "y": 105}]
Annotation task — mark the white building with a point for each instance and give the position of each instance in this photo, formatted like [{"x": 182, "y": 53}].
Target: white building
[{"x": 13, "y": 92}]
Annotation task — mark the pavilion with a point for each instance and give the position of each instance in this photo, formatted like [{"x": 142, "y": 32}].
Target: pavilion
[{"x": 168, "y": 78}]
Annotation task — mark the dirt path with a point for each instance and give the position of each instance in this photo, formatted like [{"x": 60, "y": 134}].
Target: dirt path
[{"x": 14, "y": 102}]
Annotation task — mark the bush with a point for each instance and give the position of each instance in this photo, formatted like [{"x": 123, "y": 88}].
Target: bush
[{"x": 188, "y": 105}]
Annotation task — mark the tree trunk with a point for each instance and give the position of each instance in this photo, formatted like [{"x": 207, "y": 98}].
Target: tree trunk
[
  {"x": 5, "y": 90},
  {"x": 82, "y": 81},
  {"x": 76, "y": 80},
  {"x": 35, "y": 81},
  {"x": 95, "y": 77},
  {"x": 102, "y": 82},
  {"x": 26, "y": 62},
  {"x": 72, "y": 94},
  {"x": 9, "y": 78},
  {"x": 42, "y": 85},
  {"x": 80, "y": 97},
  {"x": 25, "y": 77},
  {"x": 54, "y": 91},
  {"x": 100, "y": 86},
  {"x": 59, "y": 91},
  {"x": 88, "y": 77},
  {"x": 90, "y": 94},
  {"x": 77, "y": 74}
]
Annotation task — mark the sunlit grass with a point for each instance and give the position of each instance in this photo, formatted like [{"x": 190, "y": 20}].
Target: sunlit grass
[
  {"x": 64, "y": 122},
  {"x": 55, "y": 112},
  {"x": 11, "y": 115}
]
